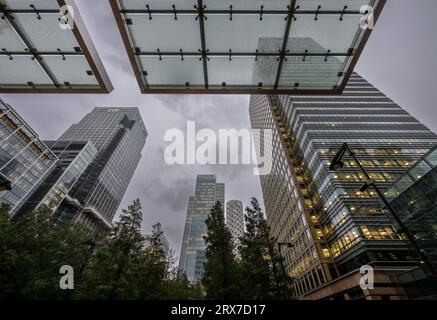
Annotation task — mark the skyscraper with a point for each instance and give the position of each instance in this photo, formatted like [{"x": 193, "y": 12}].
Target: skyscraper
[
  {"x": 412, "y": 196},
  {"x": 235, "y": 220},
  {"x": 206, "y": 194},
  {"x": 74, "y": 157},
  {"x": 119, "y": 136},
  {"x": 333, "y": 226},
  {"x": 24, "y": 159}
]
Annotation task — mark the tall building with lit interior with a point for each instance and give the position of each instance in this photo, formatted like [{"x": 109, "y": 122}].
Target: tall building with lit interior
[
  {"x": 235, "y": 220},
  {"x": 119, "y": 136},
  {"x": 206, "y": 194},
  {"x": 412, "y": 196},
  {"x": 25, "y": 160},
  {"x": 333, "y": 226}
]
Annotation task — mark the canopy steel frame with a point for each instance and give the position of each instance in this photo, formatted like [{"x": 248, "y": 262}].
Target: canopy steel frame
[{"x": 292, "y": 13}]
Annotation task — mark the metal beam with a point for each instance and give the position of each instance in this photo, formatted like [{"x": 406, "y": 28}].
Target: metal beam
[
  {"x": 243, "y": 54},
  {"x": 41, "y": 53},
  {"x": 20, "y": 33},
  {"x": 204, "y": 52},
  {"x": 290, "y": 17},
  {"x": 237, "y": 12}
]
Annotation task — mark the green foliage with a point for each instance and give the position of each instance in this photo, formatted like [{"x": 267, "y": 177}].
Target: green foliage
[
  {"x": 114, "y": 266},
  {"x": 122, "y": 264},
  {"x": 32, "y": 250},
  {"x": 221, "y": 275},
  {"x": 261, "y": 265}
]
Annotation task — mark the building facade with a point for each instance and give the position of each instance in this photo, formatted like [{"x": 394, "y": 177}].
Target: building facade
[
  {"x": 74, "y": 157},
  {"x": 334, "y": 227},
  {"x": 235, "y": 220},
  {"x": 413, "y": 198},
  {"x": 119, "y": 135},
  {"x": 24, "y": 159},
  {"x": 207, "y": 193}
]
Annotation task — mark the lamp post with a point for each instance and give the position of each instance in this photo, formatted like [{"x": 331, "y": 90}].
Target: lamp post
[{"x": 337, "y": 163}]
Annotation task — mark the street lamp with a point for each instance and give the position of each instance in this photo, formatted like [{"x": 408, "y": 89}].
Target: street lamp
[{"x": 337, "y": 163}]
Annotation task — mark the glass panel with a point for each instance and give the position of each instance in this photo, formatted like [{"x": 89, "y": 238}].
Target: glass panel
[
  {"x": 45, "y": 34},
  {"x": 247, "y": 4},
  {"x": 266, "y": 69},
  {"x": 173, "y": 35},
  {"x": 420, "y": 169},
  {"x": 73, "y": 69},
  {"x": 332, "y": 4},
  {"x": 172, "y": 71},
  {"x": 8, "y": 38},
  {"x": 21, "y": 70},
  {"x": 404, "y": 183},
  {"x": 222, "y": 70},
  {"x": 244, "y": 33},
  {"x": 158, "y": 4},
  {"x": 432, "y": 158},
  {"x": 327, "y": 33},
  {"x": 391, "y": 194},
  {"x": 25, "y": 4},
  {"x": 313, "y": 72}
]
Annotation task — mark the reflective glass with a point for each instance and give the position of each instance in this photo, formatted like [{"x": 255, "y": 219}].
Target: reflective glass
[
  {"x": 31, "y": 29},
  {"x": 243, "y": 41},
  {"x": 45, "y": 33},
  {"x": 25, "y": 4},
  {"x": 21, "y": 70},
  {"x": 173, "y": 71},
  {"x": 73, "y": 70}
]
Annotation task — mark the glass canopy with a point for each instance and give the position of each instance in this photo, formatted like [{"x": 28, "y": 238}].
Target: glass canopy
[
  {"x": 244, "y": 46},
  {"x": 41, "y": 52}
]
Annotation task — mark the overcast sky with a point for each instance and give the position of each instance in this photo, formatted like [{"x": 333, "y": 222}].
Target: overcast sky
[{"x": 399, "y": 60}]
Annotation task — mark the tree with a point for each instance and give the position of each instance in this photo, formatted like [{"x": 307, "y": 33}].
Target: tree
[
  {"x": 221, "y": 275},
  {"x": 262, "y": 273},
  {"x": 32, "y": 251},
  {"x": 117, "y": 265},
  {"x": 113, "y": 268}
]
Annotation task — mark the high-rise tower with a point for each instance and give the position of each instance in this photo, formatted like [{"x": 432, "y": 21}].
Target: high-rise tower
[
  {"x": 206, "y": 194},
  {"x": 25, "y": 160},
  {"x": 119, "y": 136},
  {"x": 235, "y": 220},
  {"x": 333, "y": 226}
]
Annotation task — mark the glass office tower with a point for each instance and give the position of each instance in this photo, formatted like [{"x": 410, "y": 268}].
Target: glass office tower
[
  {"x": 235, "y": 220},
  {"x": 335, "y": 227},
  {"x": 119, "y": 136},
  {"x": 206, "y": 194},
  {"x": 24, "y": 159},
  {"x": 74, "y": 157},
  {"x": 413, "y": 197}
]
